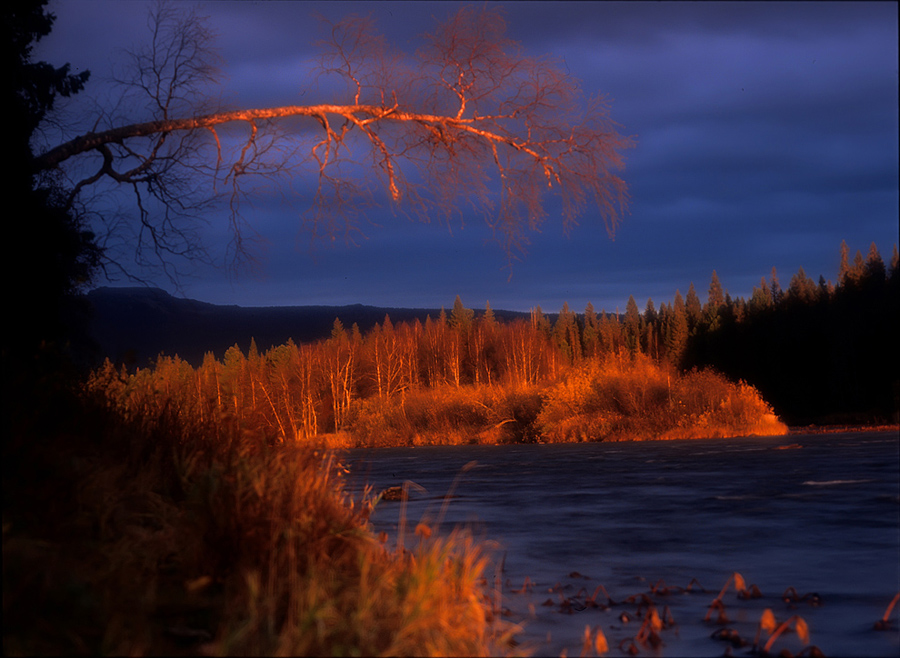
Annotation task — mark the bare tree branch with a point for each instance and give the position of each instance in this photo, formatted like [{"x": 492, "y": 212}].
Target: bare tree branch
[{"x": 474, "y": 123}]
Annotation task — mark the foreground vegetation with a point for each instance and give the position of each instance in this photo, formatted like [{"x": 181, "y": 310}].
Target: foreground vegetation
[{"x": 145, "y": 531}]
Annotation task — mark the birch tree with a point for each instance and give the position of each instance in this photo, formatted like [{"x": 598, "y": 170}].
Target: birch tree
[{"x": 470, "y": 123}]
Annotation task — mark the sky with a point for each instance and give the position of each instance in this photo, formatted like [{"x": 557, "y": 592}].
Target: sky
[{"x": 766, "y": 134}]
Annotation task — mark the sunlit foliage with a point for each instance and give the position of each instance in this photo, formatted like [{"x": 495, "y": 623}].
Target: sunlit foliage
[{"x": 465, "y": 379}]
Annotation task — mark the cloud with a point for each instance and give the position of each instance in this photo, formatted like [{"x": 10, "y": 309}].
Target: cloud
[{"x": 767, "y": 133}]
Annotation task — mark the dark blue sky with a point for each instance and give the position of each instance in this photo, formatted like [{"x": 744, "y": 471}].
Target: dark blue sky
[{"x": 767, "y": 133}]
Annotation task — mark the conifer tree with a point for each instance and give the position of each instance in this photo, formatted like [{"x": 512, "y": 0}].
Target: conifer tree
[
  {"x": 566, "y": 334},
  {"x": 775, "y": 287},
  {"x": 844, "y": 267},
  {"x": 858, "y": 269},
  {"x": 337, "y": 329},
  {"x": 632, "y": 326},
  {"x": 714, "y": 303},
  {"x": 761, "y": 298},
  {"x": 489, "y": 319},
  {"x": 591, "y": 334},
  {"x": 677, "y": 331},
  {"x": 650, "y": 314},
  {"x": 875, "y": 270},
  {"x": 663, "y": 319},
  {"x": 461, "y": 317},
  {"x": 693, "y": 308},
  {"x": 826, "y": 289},
  {"x": 539, "y": 321},
  {"x": 649, "y": 330},
  {"x": 716, "y": 294}
]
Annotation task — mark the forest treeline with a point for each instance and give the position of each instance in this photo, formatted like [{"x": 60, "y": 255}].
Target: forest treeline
[
  {"x": 816, "y": 351},
  {"x": 820, "y": 352},
  {"x": 458, "y": 378}
]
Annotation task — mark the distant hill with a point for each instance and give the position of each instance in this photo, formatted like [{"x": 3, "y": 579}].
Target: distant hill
[{"x": 134, "y": 325}]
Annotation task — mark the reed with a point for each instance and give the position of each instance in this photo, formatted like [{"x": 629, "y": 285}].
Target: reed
[
  {"x": 594, "y": 642},
  {"x": 768, "y": 624},
  {"x": 884, "y": 623},
  {"x": 718, "y": 604}
]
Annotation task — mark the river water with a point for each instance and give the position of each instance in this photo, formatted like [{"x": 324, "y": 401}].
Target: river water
[{"x": 817, "y": 513}]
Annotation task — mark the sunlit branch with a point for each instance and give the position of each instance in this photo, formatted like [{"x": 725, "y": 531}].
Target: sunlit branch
[{"x": 475, "y": 109}]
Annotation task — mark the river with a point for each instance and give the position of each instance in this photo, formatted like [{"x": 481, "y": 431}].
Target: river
[{"x": 817, "y": 513}]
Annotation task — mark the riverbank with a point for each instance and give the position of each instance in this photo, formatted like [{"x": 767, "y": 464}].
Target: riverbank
[
  {"x": 133, "y": 529},
  {"x": 842, "y": 429}
]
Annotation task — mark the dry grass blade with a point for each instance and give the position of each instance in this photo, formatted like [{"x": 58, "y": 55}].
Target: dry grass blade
[
  {"x": 601, "y": 588},
  {"x": 449, "y": 495},
  {"x": 767, "y": 623},
  {"x": 800, "y": 627},
  {"x": 694, "y": 583},
  {"x": 884, "y": 623},
  {"x": 720, "y": 607},
  {"x": 401, "y": 530},
  {"x": 594, "y": 641}
]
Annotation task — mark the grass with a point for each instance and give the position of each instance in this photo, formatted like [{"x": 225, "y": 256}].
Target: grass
[{"x": 166, "y": 536}]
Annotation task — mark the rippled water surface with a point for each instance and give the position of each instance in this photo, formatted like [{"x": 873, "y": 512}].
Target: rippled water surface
[{"x": 819, "y": 513}]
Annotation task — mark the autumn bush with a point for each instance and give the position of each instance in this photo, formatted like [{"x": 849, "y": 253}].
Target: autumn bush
[
  {"x": 632, "y": 398},
  {"x": 707, "y": 404},
  {"x": 444, "y": 415}
]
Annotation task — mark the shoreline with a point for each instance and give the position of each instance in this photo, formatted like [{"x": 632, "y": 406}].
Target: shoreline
[
  {"x": 344, "y": 441},
  {"x": 837, "y": 429}
]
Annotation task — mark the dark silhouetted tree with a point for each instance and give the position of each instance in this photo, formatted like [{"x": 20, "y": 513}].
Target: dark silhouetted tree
[
  {"x": 875, "y": 271},
  {"x": 819, "y": 354},
  {"x": 49, "y": 254},
  {"x": 894, "y": 275}
]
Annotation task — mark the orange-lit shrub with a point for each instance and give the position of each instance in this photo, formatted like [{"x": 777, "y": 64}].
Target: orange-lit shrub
[{"x": 634, "y": 398}]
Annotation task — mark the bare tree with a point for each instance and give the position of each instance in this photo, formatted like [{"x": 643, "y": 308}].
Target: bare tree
[{"x": 470, "y": 123}]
